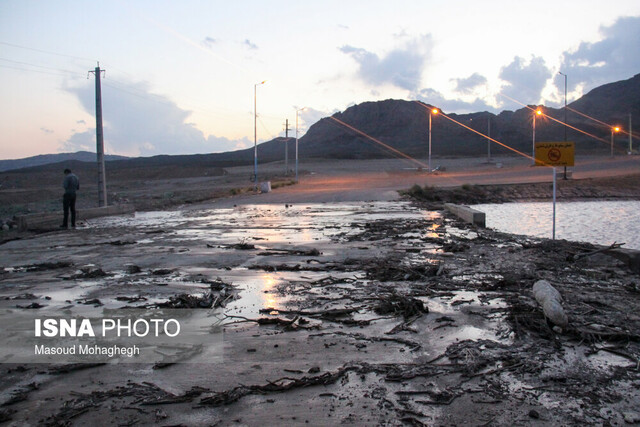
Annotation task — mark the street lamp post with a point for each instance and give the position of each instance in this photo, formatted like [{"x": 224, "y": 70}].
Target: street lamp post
[
  {"x": 297, "y": 111},
  {"x": 565, "y": 103},
  {"x": 255, "y": 135},
  {"x": 431, "y": 113},
  {"x": 533, "y": 144},
  {"x": 613, "y": 130},
  {"x": 565, "y": 114}
]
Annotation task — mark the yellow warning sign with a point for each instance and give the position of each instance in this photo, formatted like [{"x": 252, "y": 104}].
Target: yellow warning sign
[{"x": 555, "y": 153}]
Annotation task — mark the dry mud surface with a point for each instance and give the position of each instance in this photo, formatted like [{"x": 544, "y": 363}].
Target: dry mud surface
[{"x": 379, "y": 313}]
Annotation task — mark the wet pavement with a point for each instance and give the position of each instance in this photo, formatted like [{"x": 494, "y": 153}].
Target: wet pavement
[{"x": 355, "y": 313}]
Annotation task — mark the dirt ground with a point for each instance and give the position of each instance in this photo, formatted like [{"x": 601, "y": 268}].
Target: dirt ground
[
  {"x": 335, "y": 301},
  {"x": 380, "y": 313},
  {"x": 320, "y": 181}
]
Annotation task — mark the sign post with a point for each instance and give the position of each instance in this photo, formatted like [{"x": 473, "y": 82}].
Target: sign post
[{"x": 555, "y": 154}]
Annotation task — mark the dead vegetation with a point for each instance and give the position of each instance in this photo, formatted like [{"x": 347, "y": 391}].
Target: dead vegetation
[{"x": 453, "y": 326}]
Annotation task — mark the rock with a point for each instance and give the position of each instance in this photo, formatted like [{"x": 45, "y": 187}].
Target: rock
[
  {"x": 5, "y": 227},
  {"x": 131, "y": 268},
  {"x": 631, "y": 417},
  {"x": 90, "y": 271},
  {"x": 543, "y": 288},
  {"x": 550, "y": 300},
  {"x": 534, "y": 414}
]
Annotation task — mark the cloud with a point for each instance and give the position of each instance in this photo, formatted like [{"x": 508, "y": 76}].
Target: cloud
[
  {"x": 250, "y": 45},
  {"x": 401, "y": 67},
  {"x": 467, "y": 85},
  {"x": 525, "y": 80},
  {"x": 81, "y": 122},
  {"x": 612, "y": 58},
  {"x": 209, "y": 42},
  {"x": 46, "y": 130},
  {"x": 308, "y": 117},
  {"x": 435, "y": 98},
  {"x": 80, "y": 141},
  {"x": 137, "y": 122}
]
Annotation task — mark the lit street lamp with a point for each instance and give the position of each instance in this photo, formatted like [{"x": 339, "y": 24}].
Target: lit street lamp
[
  {"x": 297, "y": 111},
  {"x": 533, "y": 145},
  {"x": 255, "y": 134},
  {"x": 613, "y": 130},
  {"x": 431, "y": 113}
]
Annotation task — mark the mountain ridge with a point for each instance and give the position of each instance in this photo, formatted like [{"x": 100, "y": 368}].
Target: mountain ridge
[{"x": 404, "y": 126}]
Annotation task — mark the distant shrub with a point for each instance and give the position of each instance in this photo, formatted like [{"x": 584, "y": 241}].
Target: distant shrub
[
  {"x": 282, "y": 184},
  {"x": 415, "y": 191}
]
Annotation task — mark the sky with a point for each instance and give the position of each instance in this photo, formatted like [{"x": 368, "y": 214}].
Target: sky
[{"x": 181, "y": 76}]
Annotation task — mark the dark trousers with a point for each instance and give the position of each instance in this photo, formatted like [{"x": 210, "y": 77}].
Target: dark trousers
[{"x": 69, "y": 203}]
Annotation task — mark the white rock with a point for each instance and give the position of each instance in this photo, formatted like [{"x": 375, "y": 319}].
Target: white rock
[{"x": 551, "y": 301}]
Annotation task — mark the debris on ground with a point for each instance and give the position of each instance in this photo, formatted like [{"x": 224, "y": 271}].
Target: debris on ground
[{"x": 384, "y": 320}]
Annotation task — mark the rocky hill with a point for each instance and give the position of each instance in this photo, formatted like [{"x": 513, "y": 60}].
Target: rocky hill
[
  {"x": 44, "y": 159},
  {"x": 404, "y": 126}
]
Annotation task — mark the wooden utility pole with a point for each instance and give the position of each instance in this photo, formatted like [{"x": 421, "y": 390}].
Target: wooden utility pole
[
  {"x": 102, "y": 179},
  {"x": 286, "y": 147}
]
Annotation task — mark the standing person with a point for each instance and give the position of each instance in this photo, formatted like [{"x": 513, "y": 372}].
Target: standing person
[{"x": 71, "y": 184}]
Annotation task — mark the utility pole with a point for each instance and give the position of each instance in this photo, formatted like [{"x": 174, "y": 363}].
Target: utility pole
[
  {"x": 286, "y": 147},
  {"x": 102, "y": 179},
  {"x": 488, "y": 139},
  {"x": 630, "y": 136}
]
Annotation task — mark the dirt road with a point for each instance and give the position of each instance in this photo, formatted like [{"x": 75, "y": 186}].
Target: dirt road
[
  {"x": 349, "y": 312},
  {"x": 369, "y": 180}
]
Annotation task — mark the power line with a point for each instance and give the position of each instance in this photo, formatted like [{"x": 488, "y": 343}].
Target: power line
[
  {"x": 33, "y": 71},
  {"x": 39, "y": 66},
  {"x": 47, "y": 52},
  {"x": 395, "y": 151}
]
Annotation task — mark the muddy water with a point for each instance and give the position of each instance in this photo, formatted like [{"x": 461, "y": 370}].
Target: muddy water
[
  {"x": 595, "y": 222},
  {"x": 341, "y": 339},
  {"x": 254, "y": 247}
]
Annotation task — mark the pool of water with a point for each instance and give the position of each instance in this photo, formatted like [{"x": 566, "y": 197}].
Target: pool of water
[{"x": 602, "y": 222}]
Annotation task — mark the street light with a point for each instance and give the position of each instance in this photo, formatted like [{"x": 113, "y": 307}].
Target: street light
[
  {"x": 533, "y": 145},
  {"x": 297, "y": 111},
  {"x": 432, "y": 112},
  {"x": 613, "y": 130},
  {"x": 255, "y": 134}
]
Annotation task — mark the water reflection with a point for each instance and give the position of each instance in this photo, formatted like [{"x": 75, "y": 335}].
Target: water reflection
[
  {"x": 596, "y": 222},
  {"x": 270, "y": 299}
]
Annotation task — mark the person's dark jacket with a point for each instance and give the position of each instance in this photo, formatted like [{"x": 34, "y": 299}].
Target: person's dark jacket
[{"x": 71, "y": 184}]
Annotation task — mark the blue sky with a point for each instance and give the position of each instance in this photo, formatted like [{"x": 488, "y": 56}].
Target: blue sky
[{"x": 180, "y": 75}]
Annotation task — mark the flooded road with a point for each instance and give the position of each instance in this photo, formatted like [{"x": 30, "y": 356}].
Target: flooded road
[{"x": 321, "y": 314}]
